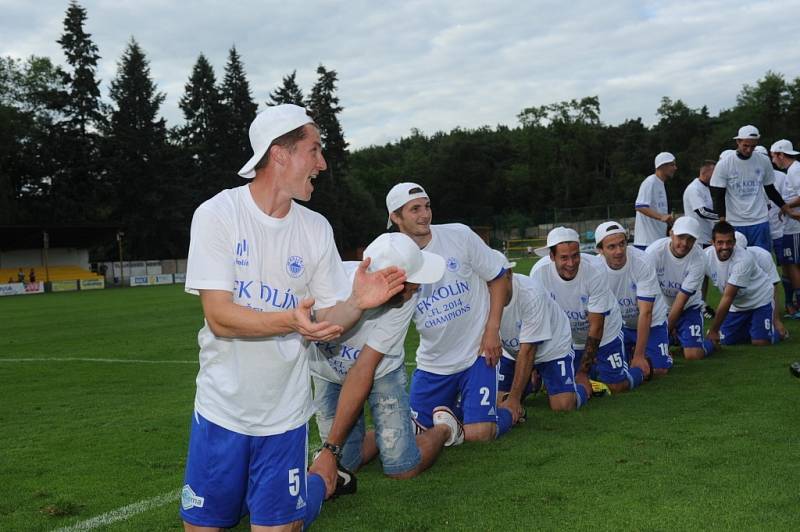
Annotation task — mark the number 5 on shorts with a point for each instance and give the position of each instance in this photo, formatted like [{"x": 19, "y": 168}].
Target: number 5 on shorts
[{"x": 294, "y": 482}]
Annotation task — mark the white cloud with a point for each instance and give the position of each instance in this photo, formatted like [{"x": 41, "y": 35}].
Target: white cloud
[{"x": 438, "y": 65}]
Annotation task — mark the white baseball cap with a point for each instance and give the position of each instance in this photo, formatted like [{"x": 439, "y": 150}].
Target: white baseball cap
[
  {"x": 783, "y": 146},
  {"x": 607, "y": 229},
  {"x": 663, "y": 158},
  {"x": 557, "y": 236},
  {"x": 397, "y": 249},
  {"x": 686, "y": 226},
  {"x": 741, "y": 240},
  {"x": 399, "y": 195},
  {"x": 747, "y": 132},
  {"x": 761, "y": 149},
  {"x": 268, "y": 125},
  {"x": 507, "y": 264}
]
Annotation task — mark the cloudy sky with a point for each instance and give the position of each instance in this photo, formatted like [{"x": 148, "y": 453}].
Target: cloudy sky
[{"x": 435, "y": 65}]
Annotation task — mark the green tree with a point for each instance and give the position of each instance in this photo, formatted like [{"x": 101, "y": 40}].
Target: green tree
[
  {"x": 201, "y": 134},
  {"x": 289, "y": 92},
  {"x": 238, "y": 111}
]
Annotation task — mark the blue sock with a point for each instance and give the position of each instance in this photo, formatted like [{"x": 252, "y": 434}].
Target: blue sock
[
  {"x": 708, "y": 347},
  {"x": 582, "y": 396},
  {"x": 635, "y": 377},
  {"x": 504, "y": 421},
  {"x": 315, "y": 493}
]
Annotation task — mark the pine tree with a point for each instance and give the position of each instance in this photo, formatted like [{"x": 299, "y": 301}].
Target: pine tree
[
  {"x": 135, "y": 143},
  {"x": 201, "y": 135},
  {"x": 289, "y": 92},
  {"x": 324, "y": 106},
  {"x": 238, "y": 111},
  {"x": 83, "y": 108},
  {"x": 77, "y": 178}
]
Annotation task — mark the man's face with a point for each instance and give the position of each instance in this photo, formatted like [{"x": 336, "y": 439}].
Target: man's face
[
  {"x": 681, "y": 245},
  {"x": 414, "y": 219},
  {"x": 304, "y": 161},
  {"x": 746, "y": 146},
  {"x": 613, "y": 249},
  {"x": 567, "y": 259},
  {"x": 398, "y": 300},
  {"x": 723, "y": 245},
  {"x": 780, "y": 160},
  {"x": 668, "y": 170}
]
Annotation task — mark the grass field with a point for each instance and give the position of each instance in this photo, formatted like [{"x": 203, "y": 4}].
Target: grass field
[{"x": 96, "y": 392}]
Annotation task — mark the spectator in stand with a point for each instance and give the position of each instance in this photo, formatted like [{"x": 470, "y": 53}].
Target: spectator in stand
[
  {"x": 32, "y": 276},
  {"x": 20, "y": 276}
]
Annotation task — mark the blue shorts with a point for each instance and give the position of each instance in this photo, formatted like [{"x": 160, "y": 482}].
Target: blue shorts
[
  {"x": 505, "y": 377},
  {"x": 611, "y": 364},
  {"x": 229, "y": 475},
  {"x": 791, "y": 249},
  {"x": 757, "y": 235},
  {"x": 471, "y": 394},
  {"x": 690, "y": 328},
  {"x": 657, "y": 349},
  {"x": 742, "y": 327},
  {"x": 394, "y": 435},
  {"x": 558, "y": 375}
]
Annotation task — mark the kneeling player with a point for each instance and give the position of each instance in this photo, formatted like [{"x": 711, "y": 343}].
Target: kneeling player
[
  {"x": 632, "y": 279},
  {"x": 745, "y": 310},
  {"x": 368, "y": 362},
  {"x": 764, "y": 261},
  {"x": 535, "y": 331},
  {"x": 680, "y": 267}
]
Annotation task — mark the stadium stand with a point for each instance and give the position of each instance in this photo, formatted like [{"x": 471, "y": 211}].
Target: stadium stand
[{"x": 56, "y": 273}]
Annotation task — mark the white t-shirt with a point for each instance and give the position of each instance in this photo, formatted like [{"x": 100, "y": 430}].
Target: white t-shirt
[
  {"x": 587, "y": 292},
  {"x": 791, "y": 189},
  {"x": 451, "y": 314},
  {"x": 741, "y": 270},
  {"x": 637, "y": 280},
  {"x": 744, "y": 180},
  {"x": 698, "y": 196},
  {"x": 383, "y": 329},
  {"x": 764, "y": 261},
  {"x": 685, "y": 274},
  {"x": 776, "y": 225},
  {"x": 259, "y": 386},
  {"x": 532, "y": 317},
  {"x": 652, "y": 194}
]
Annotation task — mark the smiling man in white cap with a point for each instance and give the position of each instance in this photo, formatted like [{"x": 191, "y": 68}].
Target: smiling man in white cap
[
  {"x": 652, "y": 212},
  {"x": 633, "y": 281},
  {"x": 738, "y": 185},
  {"x": 579, "y": 284},
  {"x": 535, "y": 333},
  {"x": 260, "y": 263},
  {"x": 784, "y": 157},
  {"x": 368, "y": 363},
  {"x": 458, "y": 319},
  {"x": 680, "y": 267}
]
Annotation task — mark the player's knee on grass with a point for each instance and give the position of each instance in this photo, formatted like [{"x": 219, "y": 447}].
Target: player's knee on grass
[
  {"x": 483, "y": 431},
  {"x": 660, "y": 371},
  {"x": 693, "y": 353},
  {"x": 760, "y": 343},
  {"x": 563, "y": 402},
  {"x": 618, "y": 387}
]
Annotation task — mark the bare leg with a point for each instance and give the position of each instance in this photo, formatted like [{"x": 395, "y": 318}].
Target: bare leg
[
  {"x": 694, "y": 353},
  {"x": 564, "y": 402},
  {"x": 483, "y": 431}
]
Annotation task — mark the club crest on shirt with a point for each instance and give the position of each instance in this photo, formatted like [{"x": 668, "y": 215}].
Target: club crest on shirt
[
  {"x": 295, "y": 266},
  {"x": 584, "y": 299},
  {"x": 452, "y": 264},
  {"x": 633, "y": 286}
]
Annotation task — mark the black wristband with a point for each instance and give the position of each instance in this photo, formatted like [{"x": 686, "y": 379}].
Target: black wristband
[{"x": 336, "y": 450}]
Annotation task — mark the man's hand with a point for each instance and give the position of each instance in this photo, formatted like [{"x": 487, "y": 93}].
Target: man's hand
[
  {"x": 512, "y": 404},
  {"x": 640, "y": 361},
  {"x": 668, "y": 219},
  {"x": 372, "y": 289},
  {"x": 491, "y": 346},
  {"x": 713, "y": 335},
  {"x": 325, "y": 466},
  {"x": 311, "y": 330}
]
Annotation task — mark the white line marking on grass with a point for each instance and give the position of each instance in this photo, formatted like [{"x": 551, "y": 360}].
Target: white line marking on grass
[
  {"x": 104, "y": 360},
  {"x": 124, "y": 513}
]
